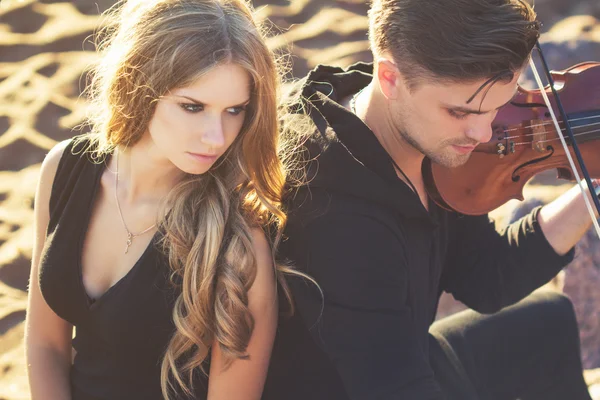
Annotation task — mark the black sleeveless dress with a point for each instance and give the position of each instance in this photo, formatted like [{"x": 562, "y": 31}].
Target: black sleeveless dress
[{"x": 121, "y": 337}]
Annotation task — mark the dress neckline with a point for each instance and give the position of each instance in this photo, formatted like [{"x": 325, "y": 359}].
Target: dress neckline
[{"x": 91, "y": 302}]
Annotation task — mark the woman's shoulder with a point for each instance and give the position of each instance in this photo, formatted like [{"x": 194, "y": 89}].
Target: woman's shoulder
[
  {"x": 52, "y": 161},
  {"x": 47, "y": 177},
  {"x": 62, "y": 152},
  {"x": 67, "y": 166}
]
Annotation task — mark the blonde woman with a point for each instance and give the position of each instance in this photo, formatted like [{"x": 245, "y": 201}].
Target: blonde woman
[{"x": 150, "y": 231}]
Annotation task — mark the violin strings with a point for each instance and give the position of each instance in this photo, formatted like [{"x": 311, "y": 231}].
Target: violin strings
[
  {"x": 554, "y": 139},
  {"x": 550, "y": 123},
  {"x": 534, "y": 134},
  {"x": 563, "y": 142}
]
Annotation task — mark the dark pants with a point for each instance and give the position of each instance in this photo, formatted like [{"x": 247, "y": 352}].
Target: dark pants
[{"x": 529, "y": 351}]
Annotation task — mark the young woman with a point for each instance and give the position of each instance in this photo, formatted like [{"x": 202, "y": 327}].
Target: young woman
[{"x": 150, "y": 231}]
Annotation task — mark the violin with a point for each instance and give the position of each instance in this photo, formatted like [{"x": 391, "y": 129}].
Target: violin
[{"x": 524, "y": 143}]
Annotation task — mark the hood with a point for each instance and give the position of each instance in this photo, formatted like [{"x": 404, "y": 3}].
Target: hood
[{"x": 345, "y": 155}]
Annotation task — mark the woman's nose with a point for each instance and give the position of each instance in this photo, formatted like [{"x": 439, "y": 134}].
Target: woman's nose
[{"x": 212, "y": 132}]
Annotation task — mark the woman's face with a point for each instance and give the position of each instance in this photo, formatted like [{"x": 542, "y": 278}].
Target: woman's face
[{"x": 193, "y": 126}]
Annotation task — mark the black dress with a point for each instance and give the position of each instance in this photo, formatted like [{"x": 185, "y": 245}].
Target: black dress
[{"x": 120, "y": 337}]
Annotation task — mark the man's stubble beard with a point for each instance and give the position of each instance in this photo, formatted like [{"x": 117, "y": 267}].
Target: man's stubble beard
[
  {"x": 438, "y": 157},
  {"x": 444, "y": 155}
]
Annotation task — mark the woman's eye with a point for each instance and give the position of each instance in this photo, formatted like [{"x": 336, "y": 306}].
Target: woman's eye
[
  {"x": 456, "y": 115},
  {"x": 192, "y": 108},
  {"x": 236, "y": 110}
]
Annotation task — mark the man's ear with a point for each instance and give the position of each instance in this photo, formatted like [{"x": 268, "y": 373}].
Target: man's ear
[{"x": 391, "y": 80}]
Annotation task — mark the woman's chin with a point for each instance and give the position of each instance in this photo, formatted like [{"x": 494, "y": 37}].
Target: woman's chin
[{"x": 194, "y": 169}]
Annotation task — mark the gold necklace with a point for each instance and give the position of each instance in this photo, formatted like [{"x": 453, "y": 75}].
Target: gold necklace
[{"x": 130, "y": 236}]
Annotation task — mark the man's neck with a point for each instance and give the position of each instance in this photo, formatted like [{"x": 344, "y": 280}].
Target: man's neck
[{"x": 371, "y": 107}]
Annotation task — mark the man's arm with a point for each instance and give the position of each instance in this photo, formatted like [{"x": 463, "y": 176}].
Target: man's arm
[
  {"x": 565, "y": 220},
  {"x": 362, "y": 322},
  {"x": 489, "y": 270}
]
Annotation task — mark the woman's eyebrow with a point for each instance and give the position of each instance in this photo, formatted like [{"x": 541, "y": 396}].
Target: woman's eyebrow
[{"x": 203, "y": 103}]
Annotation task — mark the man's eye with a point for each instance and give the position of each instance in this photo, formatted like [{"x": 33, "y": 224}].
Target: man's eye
[
  {"x": 457, "y": 115},
  {"x": 192, "y": 108},
  {"x": 236, "y": 110}
]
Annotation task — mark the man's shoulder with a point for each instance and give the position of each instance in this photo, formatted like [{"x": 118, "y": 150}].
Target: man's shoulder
[
  {"x": 336, "y": 232},
  {"x": 307, "y": 204}
]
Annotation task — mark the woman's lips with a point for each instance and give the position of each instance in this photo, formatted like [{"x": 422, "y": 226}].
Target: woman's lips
[{"x": 205, "y": 158}]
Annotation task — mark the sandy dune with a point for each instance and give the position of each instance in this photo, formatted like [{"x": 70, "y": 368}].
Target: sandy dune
[{"x": 45, "y": 50}]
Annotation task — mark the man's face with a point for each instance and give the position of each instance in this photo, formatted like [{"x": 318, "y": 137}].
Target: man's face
[{"x": 438, "y": 120}]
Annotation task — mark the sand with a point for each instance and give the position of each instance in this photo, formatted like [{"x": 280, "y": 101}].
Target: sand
[{"x": 45, "y": 49}]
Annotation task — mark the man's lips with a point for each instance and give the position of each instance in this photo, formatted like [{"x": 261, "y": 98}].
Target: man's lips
[{"x": 463, "y": 149}]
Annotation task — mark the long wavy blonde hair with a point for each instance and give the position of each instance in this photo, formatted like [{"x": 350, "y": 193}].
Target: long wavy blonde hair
[{"x": 149, "y": 48}]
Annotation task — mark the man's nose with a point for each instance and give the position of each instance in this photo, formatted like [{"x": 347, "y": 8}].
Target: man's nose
[{"x": 481, "y": 129}]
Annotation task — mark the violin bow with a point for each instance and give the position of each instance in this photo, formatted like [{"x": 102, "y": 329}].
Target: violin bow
[{"x": 580, "y": 182}]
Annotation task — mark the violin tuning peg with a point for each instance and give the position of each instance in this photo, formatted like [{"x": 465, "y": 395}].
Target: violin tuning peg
[{"x": 500, "y": 150}]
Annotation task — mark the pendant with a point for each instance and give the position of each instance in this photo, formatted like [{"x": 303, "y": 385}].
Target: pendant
[{"x": 129, "y": 241}]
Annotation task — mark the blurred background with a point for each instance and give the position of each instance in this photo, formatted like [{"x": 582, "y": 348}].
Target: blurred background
[{"x": 46, "y": 48}]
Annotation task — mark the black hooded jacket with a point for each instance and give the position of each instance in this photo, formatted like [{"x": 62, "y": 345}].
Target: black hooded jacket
[{"x": 381, "y": 260}]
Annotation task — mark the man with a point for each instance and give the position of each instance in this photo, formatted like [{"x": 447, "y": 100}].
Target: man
[{"x": 363, "y": 227}]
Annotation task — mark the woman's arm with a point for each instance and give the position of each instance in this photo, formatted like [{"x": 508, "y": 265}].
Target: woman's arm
[
  {"x": 244, "y": 379},
  {"x": 47, "y": 336}
]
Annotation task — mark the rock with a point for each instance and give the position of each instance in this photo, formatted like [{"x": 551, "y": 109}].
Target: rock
[
  {"x": 569, "y": 42},
  {"x": 552, "y": 11}
]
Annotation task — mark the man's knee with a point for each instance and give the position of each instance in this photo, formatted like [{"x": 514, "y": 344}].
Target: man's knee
[
  {"x": 552, "y": 302},
  {"x": 554, "y": 309}
]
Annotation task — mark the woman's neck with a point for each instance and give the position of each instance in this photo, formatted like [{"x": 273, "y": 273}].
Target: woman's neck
[{"x": 144, "y": 174}]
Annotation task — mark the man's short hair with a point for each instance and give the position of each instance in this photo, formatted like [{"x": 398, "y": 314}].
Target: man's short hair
[{"x": 454, "y": 40}]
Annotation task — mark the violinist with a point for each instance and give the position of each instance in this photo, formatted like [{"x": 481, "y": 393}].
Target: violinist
[{"x": 382, "y": 251}]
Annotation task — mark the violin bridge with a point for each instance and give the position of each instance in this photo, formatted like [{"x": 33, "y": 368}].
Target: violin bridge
[{"x": 539, "y": 135}]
